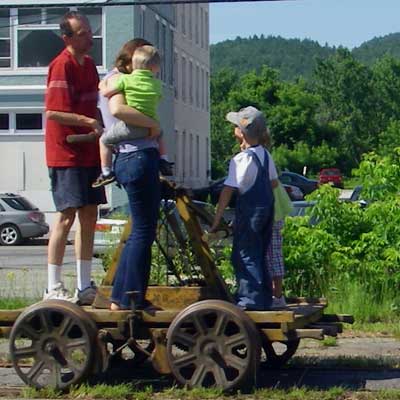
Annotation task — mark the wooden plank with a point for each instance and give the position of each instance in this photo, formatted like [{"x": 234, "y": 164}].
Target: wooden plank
[
  {"x": 305, "y": 315},
  {"x": 5, "y": 332},
  {"x": 9, "y": 316},
  {"x": 317, "y": 334},
  {"x": 164, "y": 297},
  {"x": 260, "y": 317},
  {"x": 107, "y": 316},
  {"x": 274, "y": 335},
  {"x": 345, "y": 318}
]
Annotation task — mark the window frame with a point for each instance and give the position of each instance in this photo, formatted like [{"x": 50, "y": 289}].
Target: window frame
[
  {"x": 13, "y": 131},
  {"x": 14, "y": 69}
]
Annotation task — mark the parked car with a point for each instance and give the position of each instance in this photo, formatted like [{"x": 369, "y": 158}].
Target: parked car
[
  {"x": 19, "y": 220},
  {"x": 304, "y": 184},
  {"x": 111, "y": 223},
  {"x": 294, "y": 192},
  {"x": 331, "y": 175},
  {"x": 211, "y": 193}
]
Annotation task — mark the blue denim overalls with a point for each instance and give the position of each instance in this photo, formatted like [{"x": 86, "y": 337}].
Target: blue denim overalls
[{"x": 251, "y": 236}]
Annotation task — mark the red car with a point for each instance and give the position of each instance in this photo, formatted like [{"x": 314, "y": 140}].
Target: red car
[{"x": 331, "y": 175}]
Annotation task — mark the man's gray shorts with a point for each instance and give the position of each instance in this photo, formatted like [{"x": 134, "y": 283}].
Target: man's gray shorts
[
  {"x": 121, "y": 132},
  {"x": 72, "y": 187}
]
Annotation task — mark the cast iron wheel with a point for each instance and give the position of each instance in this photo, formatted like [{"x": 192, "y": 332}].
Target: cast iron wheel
[
  {"x": 10, "y": 235},
  {"x": 279, "y": 353},
  {"x": 213, "y": 343},
  {"x": 52, "y": 343}
]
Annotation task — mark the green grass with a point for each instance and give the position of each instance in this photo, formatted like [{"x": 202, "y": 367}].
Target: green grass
[
  {"x": 329, "y": 342},
  {"x": 372, "y": 313},
  {"x": 129, "y": 392},
  {"x": 15, "y": 303}
]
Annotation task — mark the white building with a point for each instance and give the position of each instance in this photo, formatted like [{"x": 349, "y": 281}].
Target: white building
[{"x": 29, "y": 39}]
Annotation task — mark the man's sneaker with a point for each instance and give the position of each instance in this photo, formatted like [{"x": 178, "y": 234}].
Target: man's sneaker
[
  {"x": 166, "y": 167},
  {"x": 279, "y": 302},
  {"x": 59, "y": 293},
  {"x": 86, "y": 296},
  {"x": 103, "y": 180}
]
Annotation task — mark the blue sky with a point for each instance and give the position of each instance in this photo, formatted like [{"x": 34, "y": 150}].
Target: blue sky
[{"x": 336, "y": 22}]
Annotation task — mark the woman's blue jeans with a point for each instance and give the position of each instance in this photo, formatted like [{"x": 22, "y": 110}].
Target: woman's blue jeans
[{"x": 138, "y": 173}]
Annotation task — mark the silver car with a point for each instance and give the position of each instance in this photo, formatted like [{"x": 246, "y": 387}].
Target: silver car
[{"x": 19, "y": 220}]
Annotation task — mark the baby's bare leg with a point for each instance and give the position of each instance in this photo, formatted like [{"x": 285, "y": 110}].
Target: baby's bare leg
[{"x": 105, "y": 155}]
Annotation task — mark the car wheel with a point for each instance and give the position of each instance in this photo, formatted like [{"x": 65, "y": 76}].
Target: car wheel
[{"x": 10, "y": 235}]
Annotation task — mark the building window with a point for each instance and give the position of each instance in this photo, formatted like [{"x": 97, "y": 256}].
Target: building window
[
  {"x": 176, "y": 81},
  {"x": 5, "y": 39},
  {"x": 183, "y": 79},
  {"x": 172, "y": 62},
  {"x": 191, "y": 155},
  {"x": 202, "y": 84},
  {"x": 21, "y": 122},
  {"x": 201, "y": 28},
  {"x": 206, "y": 89},
  {"x": 163, "y": 45},
  {"x": 183, "y": 152},
  {"x": 183, "y": 19},
  {"x": 142, "y": 22},
  {"x": 206, "y": 29},
  {"x": 190, "y": 21},
  {"x": 208, "y": 159},
  {"x": 4, "y": 122},
  {"x": 196, "y": 23},
  {"x": 197, "y": 156},
  {"x": 190, "y": 82},
  {"x": 197, "y": 87},
  {"x": 25, "y": 122},
  {"x": 27, "y": 29}
]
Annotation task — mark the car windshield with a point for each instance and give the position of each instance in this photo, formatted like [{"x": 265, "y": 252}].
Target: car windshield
[{"x": 19, "y": 203}]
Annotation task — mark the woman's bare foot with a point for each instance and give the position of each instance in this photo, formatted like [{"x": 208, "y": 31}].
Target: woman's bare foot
[{"x": 114, "y": 307}]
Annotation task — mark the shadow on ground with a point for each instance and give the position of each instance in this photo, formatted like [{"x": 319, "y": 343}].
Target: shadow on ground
[{"x": 290, "y": 377}]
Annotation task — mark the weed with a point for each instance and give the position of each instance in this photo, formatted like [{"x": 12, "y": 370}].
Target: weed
[{"x": 329, "y": 342}]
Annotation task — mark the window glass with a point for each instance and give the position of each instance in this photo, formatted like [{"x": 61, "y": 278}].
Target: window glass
[
  {"x": 28, "y": 121},
  {"x": 4, "y": 48},
  {"x": 32, "y": 55},
  {"x": 94, "y": 17},
  {"x": 19, "y": 203},
  {"x": 29, "y": 16},
  {"x": 97, "y": 51},
  {"x": 4, "y": 122},
  {"x": 4, "y": 23},
  {"x": 54, "y": 15}
]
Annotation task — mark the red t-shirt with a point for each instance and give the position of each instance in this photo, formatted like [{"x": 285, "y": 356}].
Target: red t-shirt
[{"x": 71, "y": 88}]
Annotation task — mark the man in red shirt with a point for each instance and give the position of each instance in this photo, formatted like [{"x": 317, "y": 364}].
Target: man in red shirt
[{"x": 71, "y": 109}]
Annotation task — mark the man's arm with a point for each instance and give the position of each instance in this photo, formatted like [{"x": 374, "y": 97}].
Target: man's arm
[
  {"x": 224, "y": 199},
  {"x": 72, "y": 119}
]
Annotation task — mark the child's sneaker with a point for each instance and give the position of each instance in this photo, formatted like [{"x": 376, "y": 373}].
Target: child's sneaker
[
  {"x": 279, "y": 302},
  {"x": 86, "y": 296},
  {"x": 166, "y": 167},
  {"x": 103, "y": 180},
  {"x": 58, "y": 292}
]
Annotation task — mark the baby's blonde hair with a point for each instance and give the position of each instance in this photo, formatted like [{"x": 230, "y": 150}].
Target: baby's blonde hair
[{"x": 145, "y": 57}]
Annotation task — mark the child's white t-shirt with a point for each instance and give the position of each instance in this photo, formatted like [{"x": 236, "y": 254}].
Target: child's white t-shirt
[{"x": 243, "y": 170}]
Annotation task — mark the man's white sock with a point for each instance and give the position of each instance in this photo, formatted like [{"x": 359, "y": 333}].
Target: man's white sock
[
  {"x": 105, "y": 170},
  {"x": 53, "y": 275},
  {"x": 164, "y": 157},
  {"x": 83, "y": 272}
]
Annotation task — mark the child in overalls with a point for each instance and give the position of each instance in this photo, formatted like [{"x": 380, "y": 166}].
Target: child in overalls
[{"x": 252, "y": 173}]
